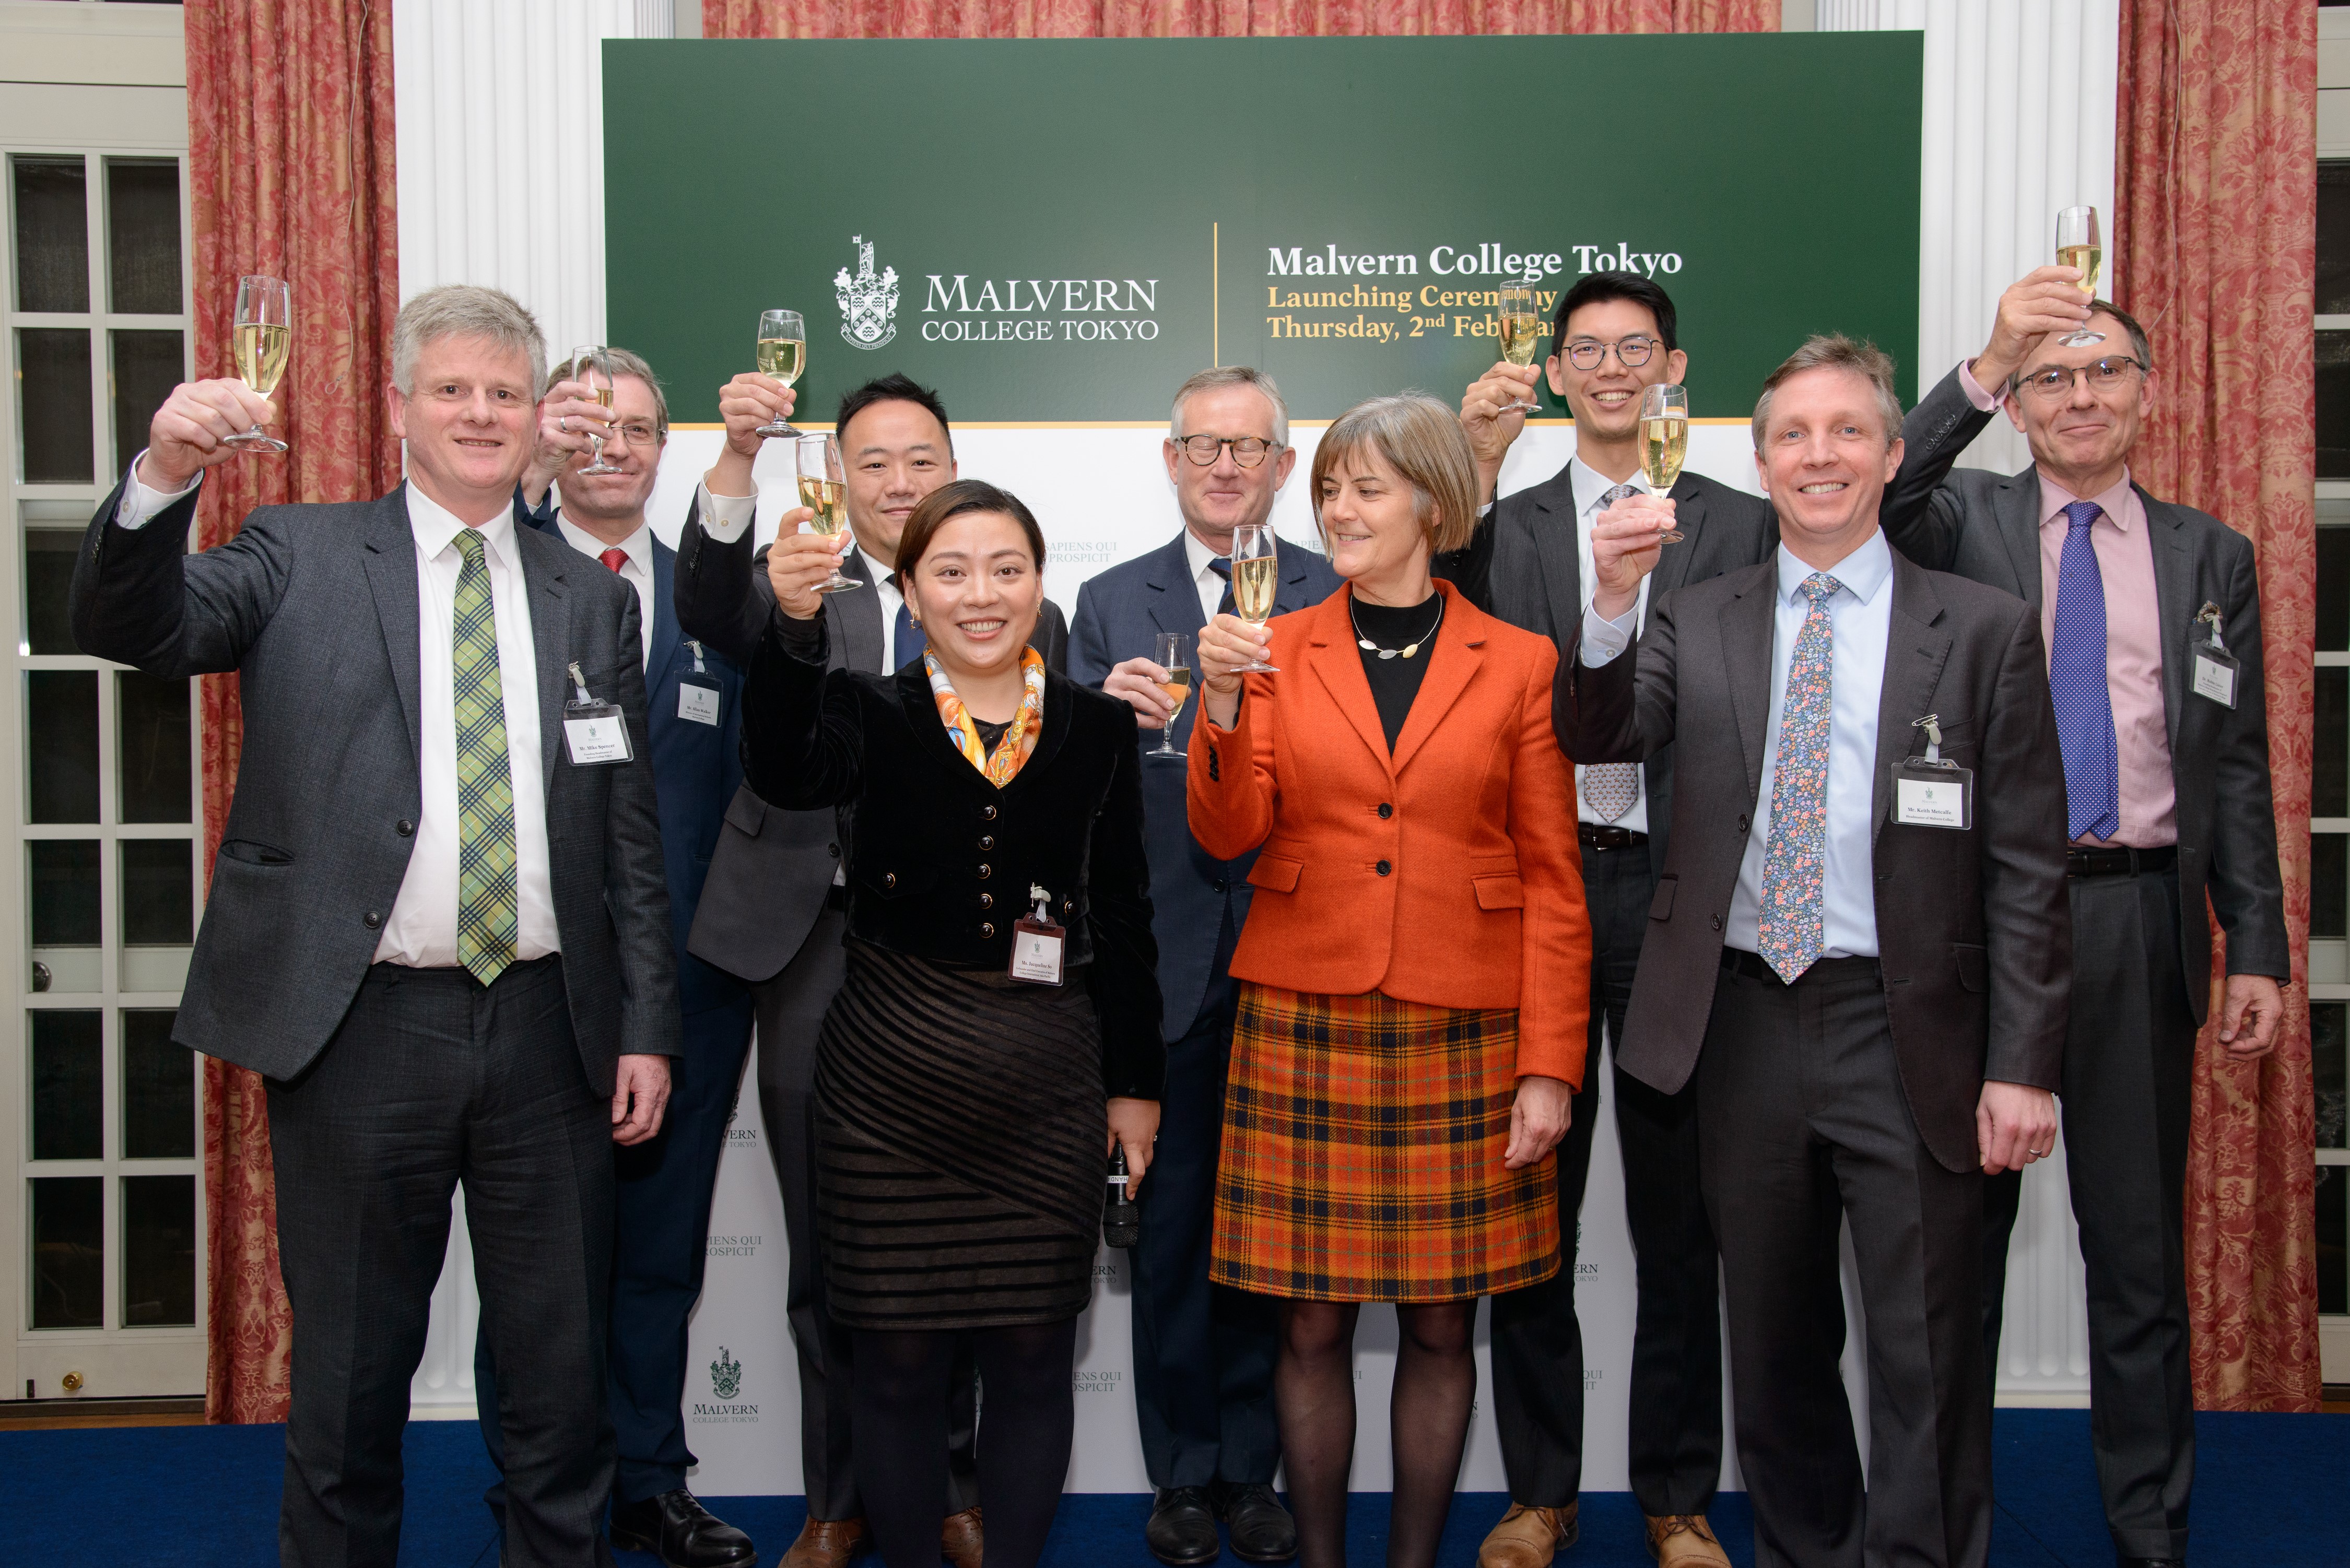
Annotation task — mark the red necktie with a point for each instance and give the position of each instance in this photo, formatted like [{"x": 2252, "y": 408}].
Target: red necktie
[{"x": 614, "y": 557}]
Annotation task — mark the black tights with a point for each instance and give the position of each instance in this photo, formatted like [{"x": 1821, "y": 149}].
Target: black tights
[
  {"x": 899, "y": 1423},
  {"x": 1427, "y": 1422}
]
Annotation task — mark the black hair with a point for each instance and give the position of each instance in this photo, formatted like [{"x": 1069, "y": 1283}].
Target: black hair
[
  {"x": 894, "y": 386},
  {"x": 1599, "y": 287},
  {"x": 954, "y": 499}
]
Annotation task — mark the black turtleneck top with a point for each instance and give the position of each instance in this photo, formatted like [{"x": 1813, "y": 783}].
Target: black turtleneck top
[{"x": 1396, "y": 681}]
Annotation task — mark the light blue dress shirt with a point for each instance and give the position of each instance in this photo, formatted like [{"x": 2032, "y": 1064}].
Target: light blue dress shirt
[{"x": 1860, "y": 618}]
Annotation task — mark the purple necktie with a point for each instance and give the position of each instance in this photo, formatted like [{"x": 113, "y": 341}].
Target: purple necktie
[{"x": 2076, "y": 680}]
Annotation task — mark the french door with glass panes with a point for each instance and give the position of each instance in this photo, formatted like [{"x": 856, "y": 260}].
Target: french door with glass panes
[{"x": 100, "y": 1125}]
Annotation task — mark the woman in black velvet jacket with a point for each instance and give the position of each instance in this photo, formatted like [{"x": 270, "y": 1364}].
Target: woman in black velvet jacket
[{"x": 964, "y": 1115}]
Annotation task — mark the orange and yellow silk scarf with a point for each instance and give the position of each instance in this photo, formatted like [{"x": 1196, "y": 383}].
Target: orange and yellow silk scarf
[{"x": 1020, "y": 739}]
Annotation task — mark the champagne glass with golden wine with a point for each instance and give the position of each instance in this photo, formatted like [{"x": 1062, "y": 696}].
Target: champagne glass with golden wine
[
  {"x": 259, "y": 341},
  {"x": 783, "y": 354},
  {"x": 1522, "y": 330},
  {"x": 1172, "y": 653},
  {"x": 2079, "y": 246},
  {"x": 1664, "y": 442},
  {"x": 1256, "y": 572},
  {"x": 824, "y": 490},
  {"x": 592, "y": 369}
]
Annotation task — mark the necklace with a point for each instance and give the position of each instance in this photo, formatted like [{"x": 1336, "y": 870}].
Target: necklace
[{"x": 1408, "y": 649}]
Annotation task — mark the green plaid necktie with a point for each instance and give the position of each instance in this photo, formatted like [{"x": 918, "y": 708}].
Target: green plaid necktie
[{"x": 487, "y": 903}]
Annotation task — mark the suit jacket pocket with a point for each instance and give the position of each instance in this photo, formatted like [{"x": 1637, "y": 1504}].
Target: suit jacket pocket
[
  {"x": 1974, "y": 966},
  {"x": 1275, "y": 873},
  {"x": 1499, "y": 892},
  {"x": 746, "y": 813},
  {"x": 253, "y": 853},
  {"x": 1660, "y": 908}
]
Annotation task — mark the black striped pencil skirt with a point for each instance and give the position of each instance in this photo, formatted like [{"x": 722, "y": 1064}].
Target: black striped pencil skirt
[{"x": 961, "y": 1130}]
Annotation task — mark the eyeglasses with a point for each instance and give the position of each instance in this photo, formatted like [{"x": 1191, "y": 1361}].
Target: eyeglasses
[
  {"x": 637, "y": 433},
  {"x": 1586, "y": 354},
  {"x": 2104, "y": 375},
  {"x": 1203, "y": 449}
]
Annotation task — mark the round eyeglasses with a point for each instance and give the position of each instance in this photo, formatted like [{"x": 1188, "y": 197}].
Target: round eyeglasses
[
  {"x": 1585, "y": 353},
  {"x": 1203, "y": 449}
]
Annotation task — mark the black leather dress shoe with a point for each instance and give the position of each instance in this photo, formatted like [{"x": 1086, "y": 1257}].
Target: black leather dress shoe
[
  {"x": 1262, "y": 1531},
  {"x": 1182, "y": 1528},
  {"x": 675, "y": 1527}
]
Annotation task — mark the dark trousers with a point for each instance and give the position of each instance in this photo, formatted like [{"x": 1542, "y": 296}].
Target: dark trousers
[
  {"x": 430, "y": 1081},
  {"x": 660, "y": 1244},
  {"x": 1204, "y": 1353},
  {"x": 1804, "y": 1125},
  {"x": 1676, "y": 1394},
  {"x": 2128, "y": 1096},
  {"x": 790, "y": 1008}
]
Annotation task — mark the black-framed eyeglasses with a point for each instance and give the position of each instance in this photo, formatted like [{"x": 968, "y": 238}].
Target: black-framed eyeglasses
[
  {"x": 1203, "y": 449},
  {"x": 1587, "y": 353},
  {"x": 2106, "y": 374}
]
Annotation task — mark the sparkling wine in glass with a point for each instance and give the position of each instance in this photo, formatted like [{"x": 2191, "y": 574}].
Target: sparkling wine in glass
[
  {"x": 1172, "y": 653},
  {"x": 2079, "y": 246},
  {"x": 1664, "y": 442},
  {"x": 259, "y": 341},
  {"x": 1522, "y": 331},
  {"x": 592, "y": 369},
  {"x": 1256, "y": 568},
  {"x": 824, "y": 490},
  {"x": 783, "y": 354}
]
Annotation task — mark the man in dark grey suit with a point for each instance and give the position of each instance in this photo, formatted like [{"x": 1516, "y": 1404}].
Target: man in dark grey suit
[
  {"x": 774, "y": 909},
  {"x": 1203, "y": 1354},
  {"x": 1867, "y": 986},
  {"x": 437, "y": 925},
  {"x": 2153, "y": 618}
]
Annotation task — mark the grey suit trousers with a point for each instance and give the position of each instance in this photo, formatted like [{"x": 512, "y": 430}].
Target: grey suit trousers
[
  {"x": 431, "y": 1080},
  {"x": 1802, "y": 1124}
]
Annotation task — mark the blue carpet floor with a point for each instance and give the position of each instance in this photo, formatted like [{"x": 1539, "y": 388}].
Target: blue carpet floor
[{"x": 2271, "y": 1490}]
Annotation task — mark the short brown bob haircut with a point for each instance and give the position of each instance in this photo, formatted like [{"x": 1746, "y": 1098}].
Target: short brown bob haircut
[
  {"x": 954, "y": 499},
  {"x": 1421, "y": 440}
]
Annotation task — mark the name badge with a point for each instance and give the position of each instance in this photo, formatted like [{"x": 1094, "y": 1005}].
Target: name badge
[
  {"x": 1928, "y": 792},
  {"x": 2215, "y": 667},
  {"x": 1037, "y": 943},
  {"x": 697, "y": 701},
  {"x": 595, "y": 733}
]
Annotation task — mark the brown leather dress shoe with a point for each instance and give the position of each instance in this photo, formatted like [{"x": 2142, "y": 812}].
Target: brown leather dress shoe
[
  {"x": 1530, "y": 1537},
  {"x": 960, "y": 1539},
  {"x": 827, "y": 1543},
  {"x": 1684, "y": 1540}
]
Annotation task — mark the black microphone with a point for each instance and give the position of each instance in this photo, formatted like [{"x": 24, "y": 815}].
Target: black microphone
[{"x": 1121, "y": 1216}]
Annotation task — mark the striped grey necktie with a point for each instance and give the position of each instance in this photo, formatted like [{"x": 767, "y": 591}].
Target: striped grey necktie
[{"x": 1612, "y": 789}]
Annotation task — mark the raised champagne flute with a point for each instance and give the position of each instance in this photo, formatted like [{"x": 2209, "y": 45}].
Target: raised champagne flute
[
  {"x": 1522, "y": 330},
  {"x": 783, "y": 354},
  {"x": 824, "y": 490},
  {"x": 592, "y": 369},
  {"x": 1664, "y": 442},
  {"x": 1256, "y": 569},
  {"x": 2078, "y": 245},
  {"x": 1172, "y": 653},
  {"x": 259, "y": 342}
]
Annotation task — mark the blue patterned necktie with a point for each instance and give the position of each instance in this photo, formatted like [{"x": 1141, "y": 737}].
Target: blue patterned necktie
[
  {"x": 2076, "y": 680},
  {"x": 1795, "y": 860},
  {"x": 908, "y": 643}
]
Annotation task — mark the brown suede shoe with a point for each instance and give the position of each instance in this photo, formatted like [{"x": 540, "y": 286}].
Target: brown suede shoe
[
  {"x": 1684, "y": 1540},
  {"x": 827, "y": 1543},
  {"x": 960, "y": 1539},
  {"x": 1530, "y": 1537}
]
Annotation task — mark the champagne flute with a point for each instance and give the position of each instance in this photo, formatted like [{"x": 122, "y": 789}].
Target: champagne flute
[
  {"x": 783, "y": 354},
  {"x": 1664, "y": 442},
  {"x": 2078, "y": 245},
  {"x": 1173, "y": 652},
  {"x": 1522, "y": 330},
  {"x": 259, "y": 342},
  {"x": 824, "y": 489},
  {"x": 592, "y": 368},
  {"x": 1256, "y": 569}
]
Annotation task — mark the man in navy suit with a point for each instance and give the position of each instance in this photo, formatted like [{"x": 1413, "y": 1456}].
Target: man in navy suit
[
  {"x": 1203, "y": 1354},
  {"x": 661, "y": 1208}
]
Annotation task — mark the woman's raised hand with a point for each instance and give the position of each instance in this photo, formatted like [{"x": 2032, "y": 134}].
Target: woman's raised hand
[{"x": 796, "y": 562}]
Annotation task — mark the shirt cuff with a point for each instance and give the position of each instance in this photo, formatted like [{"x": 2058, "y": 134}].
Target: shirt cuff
[
  {"x": 139, "y": 505},
  {"x": 1604, "y": 639},
  {"x": 723, "y": 517},
  {"x": 1987, "y": 401}
]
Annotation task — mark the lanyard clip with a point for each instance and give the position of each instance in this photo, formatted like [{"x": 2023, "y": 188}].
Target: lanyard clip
[
  {"x": 695, "y": 644},
  {"x": 2209, "y": 614},
  {"x": 1932, "y": 725},
  {"x": 1044, "y": 902},
  {"x": 579, "y": 682}
]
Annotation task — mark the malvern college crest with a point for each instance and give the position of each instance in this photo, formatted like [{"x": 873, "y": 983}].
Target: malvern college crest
[
  {"x": 867, "y": 302},
  {"x": 725, "y": 1375}
]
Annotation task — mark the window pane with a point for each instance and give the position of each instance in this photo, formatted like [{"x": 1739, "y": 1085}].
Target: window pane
[
  {"x": 159, "y": 1250},
  {"x": 2334, "y": 238},
  {"x": 2330, "y": 767},
  {"x": 2333, "y": 590},
  {"x": 68, "y": 1251},
  {"x": 64, "y": 892},
  {"x": 52, "y": 235},
  {"x": 159, "y": 892},
  {"x": 152, "y": 713},
  {"x": 2332, "y": 1244},
  {"x": 48, "y": 580},
  {"x": 143, "y": 224},
  {"x": 2329, "y": 1038},
  {"x": 2329, "y": 885},
  {"x": 159, "y": 1088},
  {"x": 53, "y": 388},
  {"x": 61, "y": 756},
  {"x": 147, "y": 365},
  {"x": 68, "y": 1084}
]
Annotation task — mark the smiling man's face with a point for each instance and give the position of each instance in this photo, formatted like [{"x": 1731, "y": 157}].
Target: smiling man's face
[
  {"x": 1825, "y": 463},
  {"x": 469, "y": 418}
]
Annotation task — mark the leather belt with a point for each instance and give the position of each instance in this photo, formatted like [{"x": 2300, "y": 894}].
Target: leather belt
[
  {"x": 2120, "y": 861},
  {"x": 1750, "y": 966},
  {"x": 1599, "y": 835}
]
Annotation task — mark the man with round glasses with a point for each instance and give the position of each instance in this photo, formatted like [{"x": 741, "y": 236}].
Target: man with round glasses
[{"x": 2150, "y": 611}]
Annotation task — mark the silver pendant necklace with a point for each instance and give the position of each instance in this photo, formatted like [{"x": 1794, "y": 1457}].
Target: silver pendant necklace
[{"x": 1408, "y": 649}]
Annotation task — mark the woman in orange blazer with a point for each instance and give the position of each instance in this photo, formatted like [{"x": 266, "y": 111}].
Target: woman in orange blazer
[{"x": 1412, "y": 1007}]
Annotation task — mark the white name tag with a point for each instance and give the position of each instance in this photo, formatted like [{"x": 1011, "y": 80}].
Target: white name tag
[
  {"x": 1933, "y": 795},
  {"x": 2215, "y": 676},
  {"x": 699, "y": 704},
  {"x": 600, "y": 738},
  {"x": 1036, "y": 952}
]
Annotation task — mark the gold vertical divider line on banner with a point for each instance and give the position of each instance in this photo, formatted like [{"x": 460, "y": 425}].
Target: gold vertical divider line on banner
[{"x": 1215, "y": 294}]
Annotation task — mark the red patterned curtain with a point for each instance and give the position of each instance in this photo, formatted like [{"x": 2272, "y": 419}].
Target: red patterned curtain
[
  {"x": 1222, "y": 18},
  {"x": 290, "y": 161},
  {"x": 2215, "y": 192}
]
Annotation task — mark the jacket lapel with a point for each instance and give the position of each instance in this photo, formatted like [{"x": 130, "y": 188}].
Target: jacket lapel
[
  {"x": 388, "y": 554},
  {"x": 1330, "y": 652},
  {"x": 550, "y": 634},
  {"x": 1916, "y": 650},
  {"x": 1746, "y": 632},
  {"x": 1673, "y": 560},
  {"x": 2017, "y": 505},
  {"x": 2169, "y": 543},
  {"x": 666, "y": 633},
  {"x": 1557, "y": 551},
  {"x": 1453, "y": 662},
  {"x": 855, "y": 615},
  {"x": 1167, "y": 574}
]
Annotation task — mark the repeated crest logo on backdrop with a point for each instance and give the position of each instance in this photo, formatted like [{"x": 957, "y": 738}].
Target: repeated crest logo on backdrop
[
  {"x": 868, "y": 305},
  {"x": 725, "y": 1375}
]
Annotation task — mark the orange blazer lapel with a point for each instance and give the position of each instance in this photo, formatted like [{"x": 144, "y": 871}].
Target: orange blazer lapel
[
  {"x": 1330, "y": 649},
  {"x": 1453, "y": 662}
]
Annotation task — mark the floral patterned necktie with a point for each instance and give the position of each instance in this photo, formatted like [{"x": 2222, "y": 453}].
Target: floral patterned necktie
[{"x": 1795, "y": 860}]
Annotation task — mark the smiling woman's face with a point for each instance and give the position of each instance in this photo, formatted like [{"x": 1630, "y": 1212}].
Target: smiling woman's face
[
  {"x": 978, "y": 592},
  {"x": 1369, "y": 516}
]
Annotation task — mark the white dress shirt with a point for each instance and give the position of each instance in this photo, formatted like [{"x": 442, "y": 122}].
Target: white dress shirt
[
  {"x": 1205, "y": 580},
  {"x": 1860, "y": 622},
  {"x": 638, "y": 569}
]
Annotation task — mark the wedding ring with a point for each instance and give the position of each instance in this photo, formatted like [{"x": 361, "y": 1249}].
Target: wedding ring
[{"x": 564, "y": 424}]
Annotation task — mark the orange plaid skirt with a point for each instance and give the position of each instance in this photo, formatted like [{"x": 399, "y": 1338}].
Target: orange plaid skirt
[{"x": 1362, "y": 1154}]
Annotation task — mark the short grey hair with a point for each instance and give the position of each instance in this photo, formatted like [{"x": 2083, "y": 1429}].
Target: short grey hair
[
  {"x": 624, "y": 362},
  {"x": 1834, "y": 351},
  {"x": 1231, "y": 376},
  {"x": 463, "y": 310}
]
